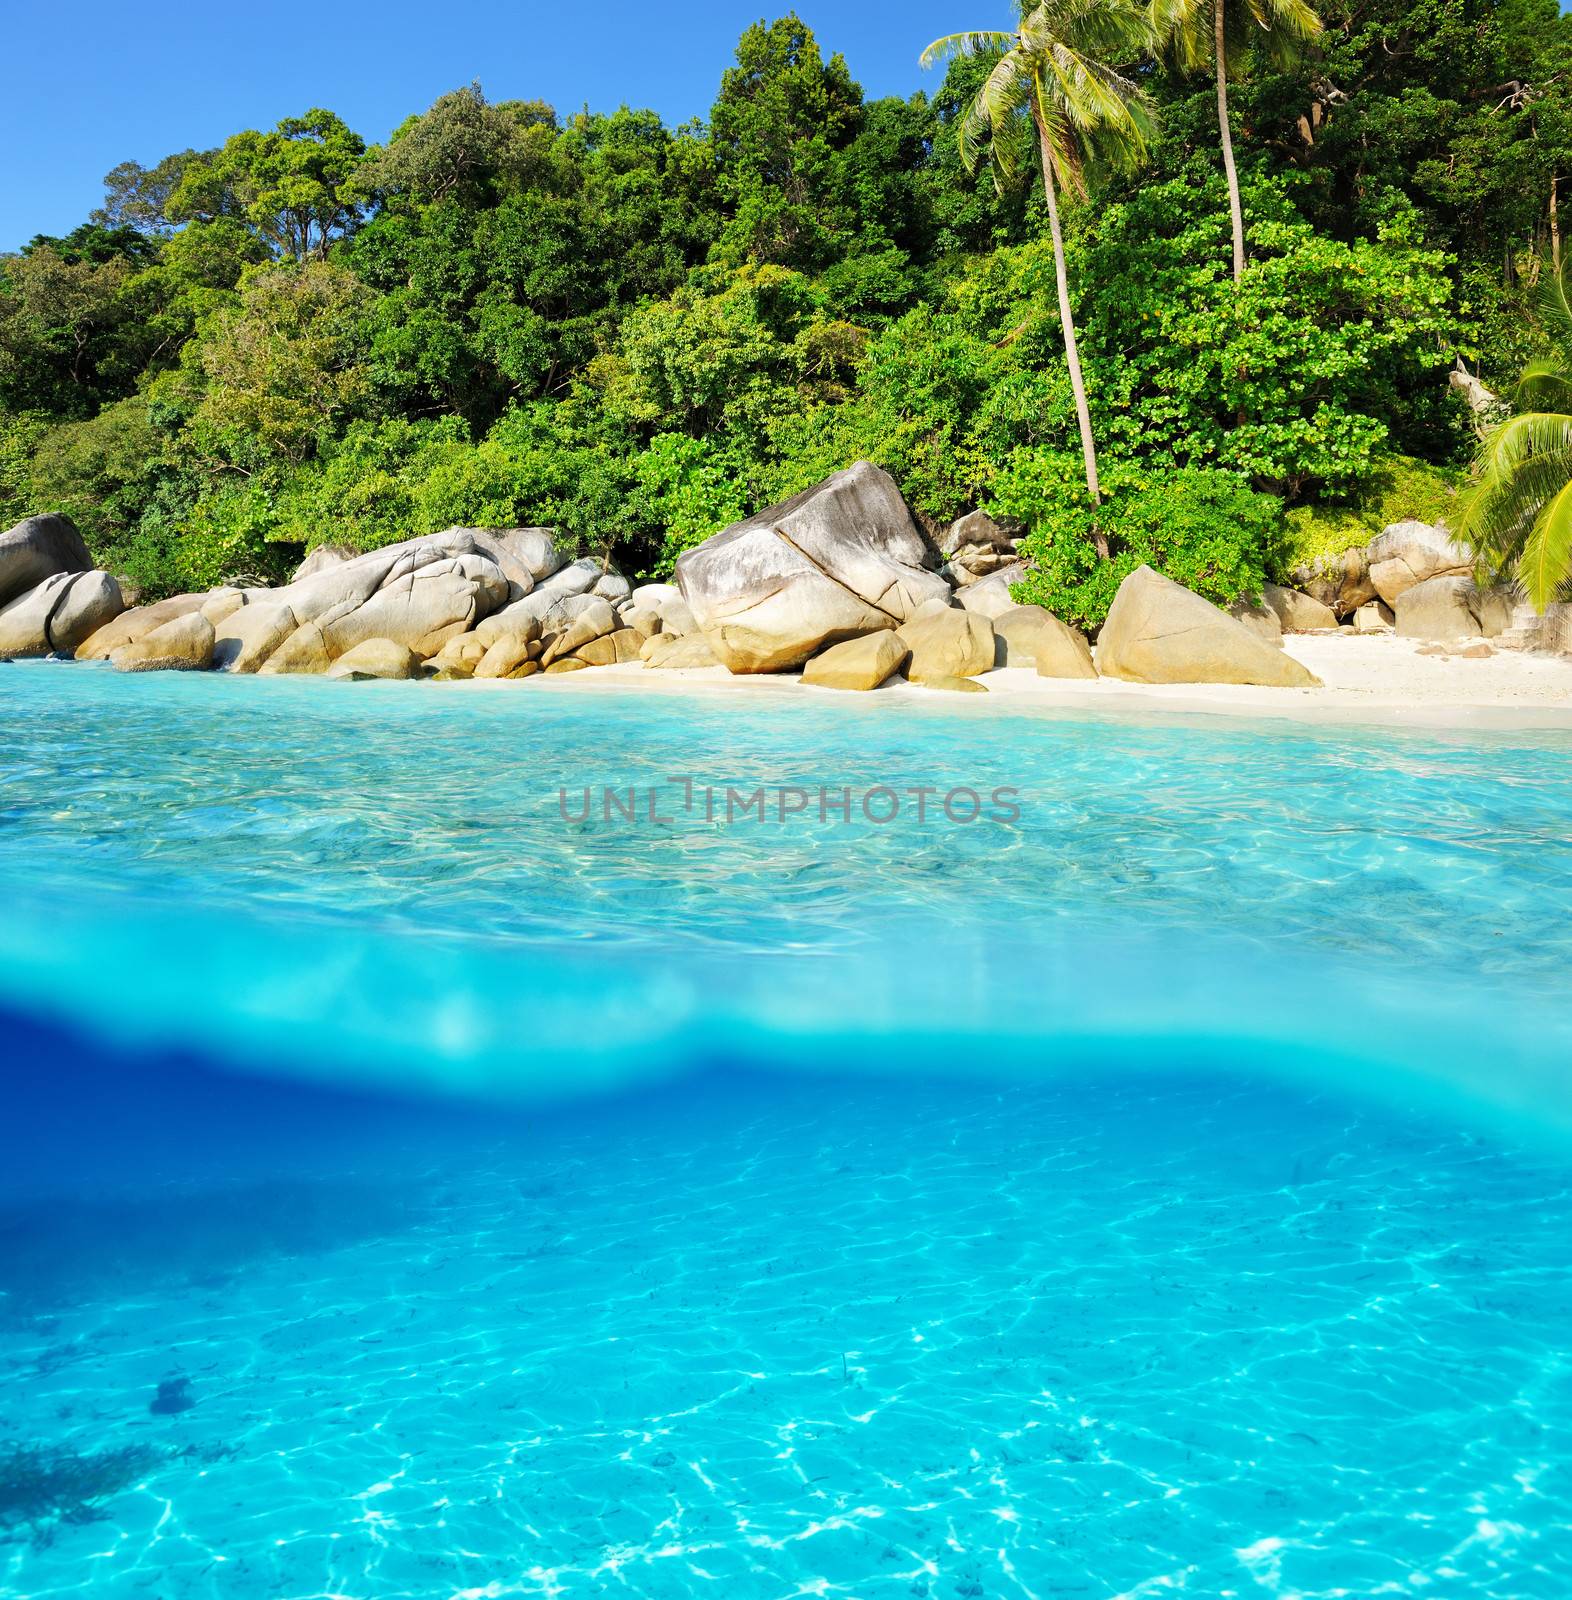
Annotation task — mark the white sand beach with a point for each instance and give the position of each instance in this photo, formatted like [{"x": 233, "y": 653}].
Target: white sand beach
[{"x": 1366, "y": 678}]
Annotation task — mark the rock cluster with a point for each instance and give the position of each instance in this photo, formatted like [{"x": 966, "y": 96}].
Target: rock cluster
[
  {"x": 839, "y": 581},
  {"x": 51, "y": 596}
]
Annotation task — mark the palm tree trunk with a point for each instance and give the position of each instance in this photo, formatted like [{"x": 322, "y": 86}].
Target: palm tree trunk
[
  {"x": 1235, "y": 209},
  {"x": 1555, "y": 226},
  {"x": 1083, "y": 415}
]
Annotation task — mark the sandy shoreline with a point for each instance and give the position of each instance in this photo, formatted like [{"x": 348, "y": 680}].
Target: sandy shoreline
[{"x": 1367, "y": 678}]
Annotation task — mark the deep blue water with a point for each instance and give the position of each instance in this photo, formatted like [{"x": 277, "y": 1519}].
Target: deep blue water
[{"x": 1164, "y": 1190}]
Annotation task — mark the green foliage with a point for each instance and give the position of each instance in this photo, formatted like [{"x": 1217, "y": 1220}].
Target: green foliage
[
  {"x": 637, "y": 333},
  {"x": 1398, "y": 488},
  {"x": 687, "y": 488},
  {"x": 293, "y": 186},
  {"x": 1302, "y": 376},
  {"x": 1518, "y": 516},
  {"x": 1202, "y": 527}
]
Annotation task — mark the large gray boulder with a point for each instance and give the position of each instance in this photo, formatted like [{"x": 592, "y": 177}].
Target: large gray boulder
[
  {"x": 838, "y": 560},
  {"x": 57, "y": 615},
  {"x": 1407, "y": 553},
  {"x": 419, "y": 594},
  {"x": 1451, "y": 608},
  {"x": 37, "y": 548},
  {"x": 553, "y": 603},
  {"x": 1160, "y": 632}
]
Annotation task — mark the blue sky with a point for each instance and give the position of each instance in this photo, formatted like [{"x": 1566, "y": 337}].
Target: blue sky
[{"x": 92, "y": 84}]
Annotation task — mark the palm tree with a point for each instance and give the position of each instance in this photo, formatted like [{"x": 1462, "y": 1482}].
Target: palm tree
[
  {"x": 1054, "y": 69},
  {"x": 1198, "y": 32},
  {"x": 1518, "y": 518}
]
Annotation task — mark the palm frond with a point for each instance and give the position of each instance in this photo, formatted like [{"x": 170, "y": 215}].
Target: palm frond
[
  {"x": 1546, "y": 384},
  {"x": 1546, "y": 561},
  {"x": 1524, "y": 468},
  {"x": 980, "y": 42},
  {"x": 1555, "y": 305}
]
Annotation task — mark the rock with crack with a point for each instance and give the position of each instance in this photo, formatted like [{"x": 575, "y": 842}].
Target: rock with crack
[
  {"x": 221, "y": 603},
  {"x": 1160, "y": 632},
  {"x": 1451, "y": 608},
  {"x": 841, "y": 559},
  {"x": 613, "y": 649},
  {"x": 57, "y": 615},
  {"x": 949, "y": 644},
  {"x": 507, "y": 653},
  {"x": 135, "y": 624},
  {"x": 1408, "y": 553},
  {"x": 38, "y": 548},
  {"x": 591, "y": 621},
  {"x": 459, "y": 656},
  {"x": 420, "y": 594},
  {"x": 678, "y": 652},
  {"x": 247, "y": 637},
  {"x": 184, "y": 645}
]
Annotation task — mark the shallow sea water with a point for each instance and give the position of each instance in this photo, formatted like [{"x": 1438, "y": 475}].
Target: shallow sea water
[{"x": 1164, "y": 1192}]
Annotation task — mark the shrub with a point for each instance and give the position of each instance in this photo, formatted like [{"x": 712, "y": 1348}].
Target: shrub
[
  {"x": 1202, "y": 527},
  {"x": 1400, "y": 488}
]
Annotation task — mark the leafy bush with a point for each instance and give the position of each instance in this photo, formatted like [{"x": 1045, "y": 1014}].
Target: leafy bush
[
  {"x": 1202, "y": 527},
  {"x": 1400, "y": 488}
]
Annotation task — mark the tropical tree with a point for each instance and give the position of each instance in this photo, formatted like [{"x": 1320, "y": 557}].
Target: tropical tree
[
  {"x": 1518, "y": 517},
  {"x": 1057, "y": 74},
  {"x": 1201, "y": 32}
]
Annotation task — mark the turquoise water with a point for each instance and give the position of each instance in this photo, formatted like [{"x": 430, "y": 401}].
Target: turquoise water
[{"x": 1163, "y": 1189}]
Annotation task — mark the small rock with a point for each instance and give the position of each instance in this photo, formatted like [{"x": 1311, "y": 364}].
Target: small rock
[
  {"x": 955, "y": 685},
  {"x": 862, "y": 663},
  {"x": 1374, "y": 616},
  {"x": 991, "y": 597},
  {"x": 376, "y": 658},
  {"x": 1296, "y": 612}
]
